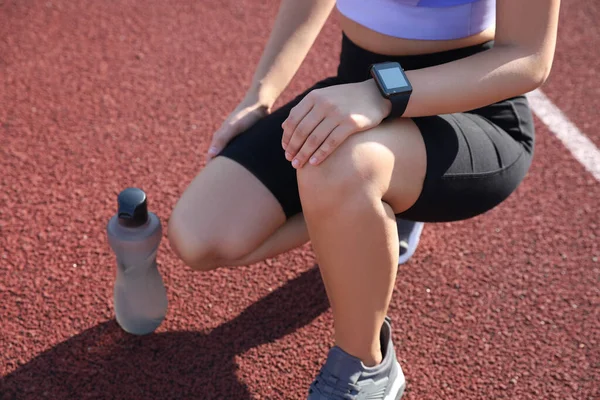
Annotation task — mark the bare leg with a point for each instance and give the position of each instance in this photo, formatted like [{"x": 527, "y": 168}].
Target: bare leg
[
  {"x": 225, "y": 214},
  {"x": 290, "y": 235},
  {"x": 349, "y": 203}
]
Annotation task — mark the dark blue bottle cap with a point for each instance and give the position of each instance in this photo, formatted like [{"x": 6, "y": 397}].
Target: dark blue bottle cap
[{"x": 133, "y": 207}]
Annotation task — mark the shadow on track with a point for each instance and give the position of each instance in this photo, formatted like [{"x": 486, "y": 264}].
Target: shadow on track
[{"x": 104, "y": 362}]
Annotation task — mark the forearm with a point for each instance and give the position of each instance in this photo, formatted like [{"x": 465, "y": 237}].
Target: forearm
[
  {"x": 485, "y": 78},
  {"x": 296, "y": 27}
]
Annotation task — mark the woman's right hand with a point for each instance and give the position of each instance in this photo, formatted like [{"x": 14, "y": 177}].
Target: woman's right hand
[{"x": 246, "y": 114}]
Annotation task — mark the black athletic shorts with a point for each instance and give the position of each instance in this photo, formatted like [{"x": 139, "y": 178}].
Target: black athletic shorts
[{"x": 475, "y": 159}]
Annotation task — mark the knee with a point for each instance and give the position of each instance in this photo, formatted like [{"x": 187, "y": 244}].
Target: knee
[
  {"x": 200, "y": 255},
  {"x": 203, "y": 248},
  {"x": 345, "y": 179}
]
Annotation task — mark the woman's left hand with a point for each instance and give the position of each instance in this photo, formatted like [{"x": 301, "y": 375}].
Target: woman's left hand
[{"x": 324, "y": 118}]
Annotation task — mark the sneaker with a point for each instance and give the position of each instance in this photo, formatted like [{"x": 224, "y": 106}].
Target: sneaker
[
  {"x": 345, "y": 377},
  {"x": 409, "y": 233}
]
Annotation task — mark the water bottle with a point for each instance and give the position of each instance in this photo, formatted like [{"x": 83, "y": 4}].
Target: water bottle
[{"x": 134, "y": 234}]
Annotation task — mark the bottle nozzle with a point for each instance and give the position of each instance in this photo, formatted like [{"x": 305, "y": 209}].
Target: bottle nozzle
[{"x": 133, "y": 207}]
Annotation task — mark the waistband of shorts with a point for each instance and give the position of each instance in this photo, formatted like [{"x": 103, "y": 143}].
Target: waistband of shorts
[{"x": 355, "y": 61}]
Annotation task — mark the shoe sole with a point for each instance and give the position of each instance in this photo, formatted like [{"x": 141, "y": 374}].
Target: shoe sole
[
  {"x": 413, "y": 243},
  {"x": 398, "y": 387}
]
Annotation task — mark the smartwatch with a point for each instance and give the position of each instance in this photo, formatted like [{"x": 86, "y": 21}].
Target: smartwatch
[{"x": 393, "y": 85}]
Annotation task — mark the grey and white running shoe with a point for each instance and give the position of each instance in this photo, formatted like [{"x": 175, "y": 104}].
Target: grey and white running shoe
[
  {"x": 409, "y": 233},
  {"x": 345, "y": 377}
]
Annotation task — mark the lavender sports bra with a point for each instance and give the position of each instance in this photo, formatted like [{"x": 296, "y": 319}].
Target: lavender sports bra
[{"x": 422, "y": 19}]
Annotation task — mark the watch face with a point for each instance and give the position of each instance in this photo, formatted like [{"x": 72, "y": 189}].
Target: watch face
[{"x": 391, "y": 77}]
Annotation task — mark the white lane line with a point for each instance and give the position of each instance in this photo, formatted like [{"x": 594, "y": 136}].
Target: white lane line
[{"x": 584, "y": 150}]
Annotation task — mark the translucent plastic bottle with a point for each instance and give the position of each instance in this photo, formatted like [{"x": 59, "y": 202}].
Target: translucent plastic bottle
[{"x": 134, "y": 234}]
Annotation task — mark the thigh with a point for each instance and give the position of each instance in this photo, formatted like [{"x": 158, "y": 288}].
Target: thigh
[
  {"x": 225, "y": 213},
  {"x": 259, "y": 151},
  {"x": 474, "y": 164},
  {"x": 386, "y": 163}
]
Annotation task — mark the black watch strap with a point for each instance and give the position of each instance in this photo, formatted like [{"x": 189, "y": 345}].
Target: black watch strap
[{"x": 399, "y": 104}]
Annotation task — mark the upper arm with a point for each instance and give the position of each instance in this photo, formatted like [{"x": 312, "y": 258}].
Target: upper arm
[{"x": 530, "y": 25}]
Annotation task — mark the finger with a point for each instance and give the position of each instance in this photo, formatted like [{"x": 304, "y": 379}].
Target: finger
[
  {"x": 228, "y": 131},
  {"x": 220, "y": 138},
  {"x": 296, "y": 115},
  {"x": 331, "y": 142},
  {"x": 303, "y": 130},
  {"x": 314, "y": 141},
  {"x": 216, "y": 145}
]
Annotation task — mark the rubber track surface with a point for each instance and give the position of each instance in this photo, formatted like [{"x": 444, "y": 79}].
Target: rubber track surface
[{"x": 97, "y": 96}]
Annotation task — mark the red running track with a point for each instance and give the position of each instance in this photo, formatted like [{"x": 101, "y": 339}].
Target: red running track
[{"x": 96, "y": 98}]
